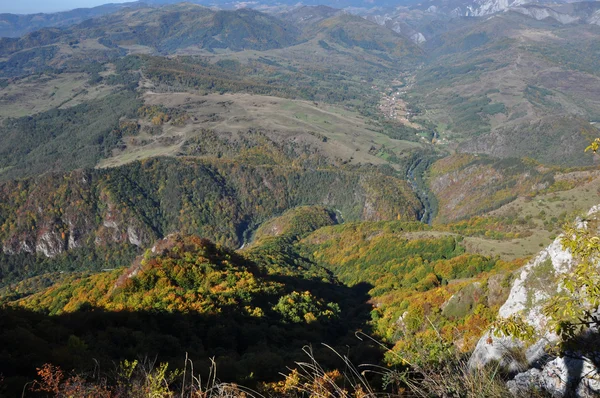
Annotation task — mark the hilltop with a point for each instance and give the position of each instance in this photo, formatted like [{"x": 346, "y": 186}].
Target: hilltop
[{"x": 186, "y": 294}]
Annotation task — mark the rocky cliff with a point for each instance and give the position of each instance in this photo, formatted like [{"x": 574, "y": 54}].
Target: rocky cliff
[
  {"x": 534, "y": 365},
  {"x": 57, "y": 213}
]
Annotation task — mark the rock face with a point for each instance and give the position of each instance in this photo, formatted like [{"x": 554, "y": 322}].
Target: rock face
[
  {"x": 595, "y": 18},
  {"x": 487, "y": 7},
  {"x": 559, "y": 377},
  {"x": 541, "y": 13},
  {"x": 535, "y": 368},
  {"x": 564, "y": 13},
  {"x": 470, "y": 8},
  {"x": 53, "y": 215},
  {"x": 396, "y": 22},
  {"x": 50, "y": 243}
]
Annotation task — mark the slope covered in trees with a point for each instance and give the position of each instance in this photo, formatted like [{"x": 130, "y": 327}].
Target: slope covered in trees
[
  {"x": 263, "y": 304},
  {"x": 88, "y": 214},
  {"x": 184, "y": 295},
  {"x": 422, "y": 280}
]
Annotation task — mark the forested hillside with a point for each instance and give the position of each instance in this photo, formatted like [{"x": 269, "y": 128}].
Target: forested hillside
[
  {"x": 69, "y": 221},
  {"x": 186, "y": 294},
  {"x": 312, "y": 201},
  {"x": 269, "y": 294}
]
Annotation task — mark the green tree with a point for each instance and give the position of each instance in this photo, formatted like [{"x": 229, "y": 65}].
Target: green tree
[{"x": 574, "y": 310}]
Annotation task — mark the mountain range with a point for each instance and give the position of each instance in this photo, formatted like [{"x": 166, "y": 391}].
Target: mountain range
[
  {"x": 241, "y": 181},
  {"x": 397, "y": 16}
]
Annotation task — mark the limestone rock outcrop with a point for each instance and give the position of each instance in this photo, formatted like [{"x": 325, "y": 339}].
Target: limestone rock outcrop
[{"x": 535, "y": 367}]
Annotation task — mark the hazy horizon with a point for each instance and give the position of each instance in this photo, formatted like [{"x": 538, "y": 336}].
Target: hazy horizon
[{"x": 37, "y": 6}]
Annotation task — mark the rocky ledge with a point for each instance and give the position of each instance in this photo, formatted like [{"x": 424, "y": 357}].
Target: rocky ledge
[{"x": 534, "y": 366}]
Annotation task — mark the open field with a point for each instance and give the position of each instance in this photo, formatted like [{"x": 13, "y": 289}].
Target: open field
[
  {"x": 35, "y": 94},
  {"x": 333, "y": 131},
  {"x": 548, "y": 212},
  {"x": 529, "y": 223},
  {"x": 505, "y": 249}
]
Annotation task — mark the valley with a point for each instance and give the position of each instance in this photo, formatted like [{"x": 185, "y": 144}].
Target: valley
[{"x": 226, "y": 186}]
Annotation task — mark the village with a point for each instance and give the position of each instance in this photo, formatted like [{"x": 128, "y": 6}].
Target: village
[{"x": 393, "y": 107}]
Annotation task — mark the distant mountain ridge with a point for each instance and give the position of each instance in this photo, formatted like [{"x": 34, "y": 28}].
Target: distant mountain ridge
[
  {"x": 585, "y": 12},
  {"x": 478, "y": 8},
  {"x": 16, "y": 25},
  {"x": 425, "y": 20},
  {"x": 175, "y": 27},
  {"x": 403, "y": 18},
  {"x": 165, "y": 30}
]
